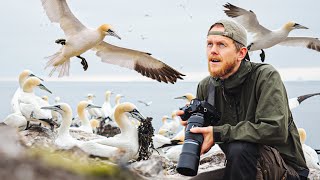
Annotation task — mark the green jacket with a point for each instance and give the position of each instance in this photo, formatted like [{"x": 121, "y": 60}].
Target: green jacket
[{"x": 254, "y": 108}]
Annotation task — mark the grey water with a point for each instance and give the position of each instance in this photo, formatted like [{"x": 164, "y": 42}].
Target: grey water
[{"x": 162, "y": 96}]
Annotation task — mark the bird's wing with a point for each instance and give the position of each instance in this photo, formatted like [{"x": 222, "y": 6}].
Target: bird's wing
[
  {"x": 248, "y": 19},
  {"x": 308, "y": 42},
  {"x": 139, "y": 61},
  {"x": 58, "y": 11}
]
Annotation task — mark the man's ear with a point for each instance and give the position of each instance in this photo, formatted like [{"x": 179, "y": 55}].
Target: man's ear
[{"x": 242, "y": 53}]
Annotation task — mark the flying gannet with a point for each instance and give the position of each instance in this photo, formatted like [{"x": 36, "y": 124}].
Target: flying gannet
[
  {"x": 264, "y": 38},
  {"x": 145, "y": 103},
  {"x": 80, "y": 39},
  {"x": 309, "y": 153},
  {"x": 296, "y": 101}
]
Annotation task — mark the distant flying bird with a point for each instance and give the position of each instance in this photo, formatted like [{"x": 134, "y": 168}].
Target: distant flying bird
[
  {"x": 264, "y": 38},
  {"x": 80, "y": 39},
  {"x": 145, "y": 103},
  {"x": 296, "y": 101}
]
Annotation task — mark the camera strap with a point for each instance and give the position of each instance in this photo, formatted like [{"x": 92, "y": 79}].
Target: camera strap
[{"x": 211, "y": 92}]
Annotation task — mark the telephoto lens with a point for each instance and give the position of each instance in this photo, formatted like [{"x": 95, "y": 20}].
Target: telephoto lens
[{"x": 190, "y": 156}]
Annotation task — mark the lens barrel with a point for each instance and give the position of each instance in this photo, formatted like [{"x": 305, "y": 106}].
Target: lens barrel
[{"x": 190, "y": 156}]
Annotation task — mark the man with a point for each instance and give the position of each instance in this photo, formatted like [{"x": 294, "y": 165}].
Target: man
[{"x": 256, "y": 130}]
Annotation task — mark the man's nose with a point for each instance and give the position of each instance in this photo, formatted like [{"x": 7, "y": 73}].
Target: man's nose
[{"x": 213, "y": 49}]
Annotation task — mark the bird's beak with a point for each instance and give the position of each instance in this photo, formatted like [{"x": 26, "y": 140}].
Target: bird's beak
[
  {"x": 137, "y": 115},
  {"x": 90, "y": 106},
  {"x": 32, "y": 75},
  {"x": 180, "y": 97},
  {"x": 298, "y": 26},
  {"x": 53, "y": 108},
  {"x": 112, "y": 33},
  {"x": 41, "y": 86}
]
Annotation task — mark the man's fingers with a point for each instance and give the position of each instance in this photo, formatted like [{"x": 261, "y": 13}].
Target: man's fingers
[
  {"x": 183, "y": 123},
  {"x": 179, "y": 112},
  {"x": 197, "y": 130}
]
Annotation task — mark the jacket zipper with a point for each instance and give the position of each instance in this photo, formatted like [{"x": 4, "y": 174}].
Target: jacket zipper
[{"x": 223, "y": 94}]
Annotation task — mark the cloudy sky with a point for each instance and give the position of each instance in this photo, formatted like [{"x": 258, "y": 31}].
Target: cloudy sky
[{"x": 172, "y": 30}]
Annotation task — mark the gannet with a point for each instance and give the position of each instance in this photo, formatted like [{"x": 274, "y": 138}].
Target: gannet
[
  {"x": 80, "y": 39},
  {"x": 117, "y": 102},
  {"x": 55, "y": 115},
  {"x": 93, "y": 112},
  {"x": 264, "y": 38},
  {"x": 30, "y": 103},
  {"x": 188, "y": 97},
  {"x": 85, "y": 123},
  {"x": 127, "y": 140},
  {"x": 16, "y": 120},
  {"x": 106, "y": 106},
  {"x": 145, "y": 103},
  {"x": 65, "y": 141},
  {"x": 164, "y": 130},
  {"x": 22, "y": 77},
  {"x": 296, "y": 101},
  {"x": 309, "y": 153},
  {"x": 95, "y": 124}
]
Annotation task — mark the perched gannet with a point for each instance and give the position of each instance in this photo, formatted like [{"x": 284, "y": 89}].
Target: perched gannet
[
  {"x": 55, "y": 115},
  {"x": 30, "y": 103},
  {"x": 296, "y": 101},
  {"x": 188, "y": 97},
  {"x": 145, "y": 103},
  {"x": 93, "y": 112},
  {"x": 117, "y": 102},
  {"x": 164, "y": 130},
  {"x": 106, "y": 106},
  {"x": 95, "y": 124},
  {"x": 127, "y": 140},
  {"x": 80, "y": 39},
  {"x": 264, "y": 38},
  {"x": 310, "y": 154},
  {"x": 16, "y": 120},
  {"x": 85, "y": 123},
  {"x": 65, "y": 141},
  {"x": 22, "y": 77}
]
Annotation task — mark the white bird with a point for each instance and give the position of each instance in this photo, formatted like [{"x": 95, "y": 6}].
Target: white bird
[
  {"x": 85, "y": 123},
  {"x": 117, "y": 102},
  {"x": 30, "y": 103},
  {"x": 127, "y": 140},
  {"x": 94, "y": 112},
  {"x": 165, "y": 129},
  {"x": 309, "y": 153},
  {"x": 264, "y": 38},
  {"x": 188, "y": 97},
  {"x": 65, "y": 141},
  {"x": 145, "y": 103},
  {"x": 16, "y": 120},
  {"x": 80, "y": 39},
  {"x": 296, "y": 101},
  {"x": 22, "y": 77},
  {"x": 106, "y": 106}
]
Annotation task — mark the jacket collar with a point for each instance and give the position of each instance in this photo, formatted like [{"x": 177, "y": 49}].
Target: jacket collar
[{"x": 232, "y": 83}]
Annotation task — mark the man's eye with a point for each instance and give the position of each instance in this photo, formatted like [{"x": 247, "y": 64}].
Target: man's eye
[
  {"x": 221, "y": 45},
  {"x": 209, "y": 44}
]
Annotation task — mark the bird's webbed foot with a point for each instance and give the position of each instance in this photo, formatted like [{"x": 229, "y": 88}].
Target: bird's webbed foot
[
  {"x": 83, "y": 62},
  {"x": 60, "y": 41}
]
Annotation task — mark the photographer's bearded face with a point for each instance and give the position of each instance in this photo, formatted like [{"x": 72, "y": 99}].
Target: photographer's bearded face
[{"x": 223, "y": 58}]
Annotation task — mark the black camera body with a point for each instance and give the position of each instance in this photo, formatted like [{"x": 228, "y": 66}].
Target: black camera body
[{"x": 199, "y": 114}]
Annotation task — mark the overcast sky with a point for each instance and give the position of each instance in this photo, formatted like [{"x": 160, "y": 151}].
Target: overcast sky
[{"x": 172, "y": 30}]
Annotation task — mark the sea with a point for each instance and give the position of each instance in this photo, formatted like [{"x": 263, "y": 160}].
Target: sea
[{"x": 162, "y": 95}]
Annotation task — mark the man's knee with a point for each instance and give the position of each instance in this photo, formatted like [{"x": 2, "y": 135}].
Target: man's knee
[{"x": 242, "y": 150}]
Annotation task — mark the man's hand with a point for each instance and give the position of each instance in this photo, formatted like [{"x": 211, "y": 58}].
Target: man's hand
[
  {"x": 208, "y": 139},
  {"x": 179, "y": 113}
]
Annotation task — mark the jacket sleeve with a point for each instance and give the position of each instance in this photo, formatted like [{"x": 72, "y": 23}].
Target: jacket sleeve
[{"x": 271, "y": 116}]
